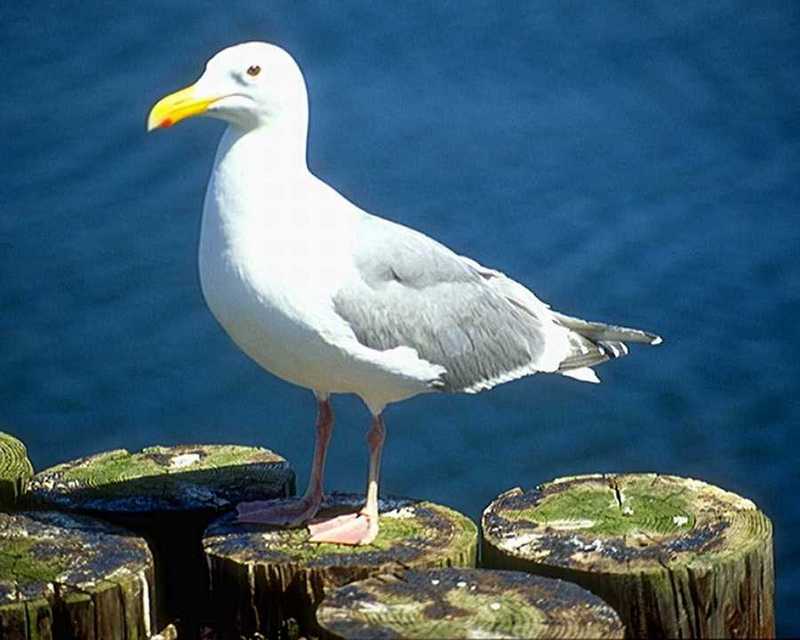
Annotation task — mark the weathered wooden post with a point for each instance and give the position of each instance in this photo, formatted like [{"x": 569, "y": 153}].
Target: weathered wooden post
[
  {"x": 465, "y": 603},
  {"x": 270, "y": 581},
  {"x": 675, "y": 557},
  {"x": 15, "y": 470},
  {"x": 67, "y": 576},
  {"x": 168, "y": 495}
]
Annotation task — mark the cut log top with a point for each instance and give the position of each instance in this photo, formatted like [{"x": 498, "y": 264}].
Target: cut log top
[
  {"x": 179, "y": 478},
  {"x": 270, "y": 581},
  {"x": 30, "y": 561},
  {"x": 675, "y": 557},
  {"x": 616, "y": 523},
  {"x": 72, "y": 576},
  {"x": 411, "y": 532},
  {"x": 15, "y": 470},
  {"x": 466, "y": 603}
]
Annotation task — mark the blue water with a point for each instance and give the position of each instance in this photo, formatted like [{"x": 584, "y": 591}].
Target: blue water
[{"x": 631, "y": 163}]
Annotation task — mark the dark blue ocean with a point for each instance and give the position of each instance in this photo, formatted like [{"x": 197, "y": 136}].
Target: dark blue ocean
[{"x": 630, "y": 162}]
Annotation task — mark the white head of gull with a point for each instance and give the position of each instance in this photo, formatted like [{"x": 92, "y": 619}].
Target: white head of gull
[{"x": 334, "y": 299}]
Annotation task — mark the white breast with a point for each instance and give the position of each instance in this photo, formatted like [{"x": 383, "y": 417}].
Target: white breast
[
  {"x": 267, "y": 273},
  {"x": 274, "y": 250}
]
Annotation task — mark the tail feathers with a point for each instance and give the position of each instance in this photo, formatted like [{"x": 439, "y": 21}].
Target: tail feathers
[
  {"x": 583, "y": 353},
  {"x": 592, "y": 343},
  {"x": 599, "y": 332},
  {"x": 614, "y": 348}
]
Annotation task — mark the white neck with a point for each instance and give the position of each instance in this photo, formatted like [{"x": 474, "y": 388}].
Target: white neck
[
  {"x": 256, "y": 171},
  {"x": 253, "y": 163},
  {"x": 275, "y": 147}
]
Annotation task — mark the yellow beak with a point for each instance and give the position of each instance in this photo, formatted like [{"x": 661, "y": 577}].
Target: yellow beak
[{"x": 176, "y": 107}]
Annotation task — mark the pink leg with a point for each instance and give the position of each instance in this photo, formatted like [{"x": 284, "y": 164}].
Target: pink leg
[
  {"x": 361, "y": 527},
  {"x": 295, "y": 511}
]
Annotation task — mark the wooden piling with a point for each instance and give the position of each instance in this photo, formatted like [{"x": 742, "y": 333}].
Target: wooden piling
[
  {"x": 67, "y": 576},
  {"x": 168, "y": 495},
  {"x": 465, "y": 603},
  {"x": 15, "y": 471},
  {"x": 675, "y": 557},
  {"x": 269, "y": 581}
]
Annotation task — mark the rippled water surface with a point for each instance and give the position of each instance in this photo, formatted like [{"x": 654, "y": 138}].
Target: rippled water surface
[{"x": 638, "y": 164}]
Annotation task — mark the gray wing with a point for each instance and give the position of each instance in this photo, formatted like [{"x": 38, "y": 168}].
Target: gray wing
[{"x": 417, "y": 293}]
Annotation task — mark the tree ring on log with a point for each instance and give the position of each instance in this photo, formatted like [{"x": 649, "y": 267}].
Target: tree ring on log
[
  {"x": 15, "y": 470},
  {"x": 68, "y": 576},
  {"x": 466, "y": 603},
  {"x": 648, "y": 544}
]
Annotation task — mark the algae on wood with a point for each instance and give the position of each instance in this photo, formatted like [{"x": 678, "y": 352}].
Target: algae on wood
[
  {"x": 69, "y": 576},
  {"x": 168, "y": 495},
  {"x": 270, "y": 580},
  {"x": 675, "y": 557},
  {"x": 165, "y": 479},
  {"x": 465, "y": 603},
  {"x": 15, "y": 470}
]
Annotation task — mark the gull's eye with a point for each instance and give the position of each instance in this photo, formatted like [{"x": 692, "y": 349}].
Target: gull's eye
[{"x": 253, "y": 70}]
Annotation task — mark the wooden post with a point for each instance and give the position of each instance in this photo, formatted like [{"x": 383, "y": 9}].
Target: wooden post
[
  {"x": 15, "y": 471},
  {"x": 675, "y": 557},
  {"x": 270, "y": 581},
  {"x": 67, "y": 576},
  {"x": 168, "y": 495},
  {"x": 465, "y": 603}
]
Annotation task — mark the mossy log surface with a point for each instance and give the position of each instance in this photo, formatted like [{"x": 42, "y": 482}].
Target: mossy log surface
[
  {"x": 269, "y": 581},
  {"x": 675, "y": 557},
  {"x": 15, "y": 471},
  {"x": 465, "y": 603},
  {"x": 168, "y": 495},
  {"x": 162, "y": 479},
  {"x": 69, "y": 576}
]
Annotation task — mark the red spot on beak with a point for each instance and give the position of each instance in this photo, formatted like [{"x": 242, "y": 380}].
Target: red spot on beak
[{"x": 167, "y": 122}]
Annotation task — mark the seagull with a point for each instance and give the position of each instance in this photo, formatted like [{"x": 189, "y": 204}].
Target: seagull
[{"x": 331, "y": 298}]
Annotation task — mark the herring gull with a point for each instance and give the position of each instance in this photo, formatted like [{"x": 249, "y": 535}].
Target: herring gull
[{"x": 336, "y": 300}]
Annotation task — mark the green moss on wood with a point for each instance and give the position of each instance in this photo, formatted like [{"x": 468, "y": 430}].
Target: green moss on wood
[
  {"x": 179, "y": 478},
  {"x": 21, "y": 559},
  {"x": 606, "y": 511},
  {"x": 295, "y": 542},
  {"x": 119, "y": 465},
  {"x": 106, "y": 468},
  {"x": 73, "y": 575},
  {"x": 407, "y": 528},
  {"x": 394, "y": 530}
]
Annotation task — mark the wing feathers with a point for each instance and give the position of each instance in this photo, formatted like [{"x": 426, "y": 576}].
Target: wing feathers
[{"x": 477, "y": 323}]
